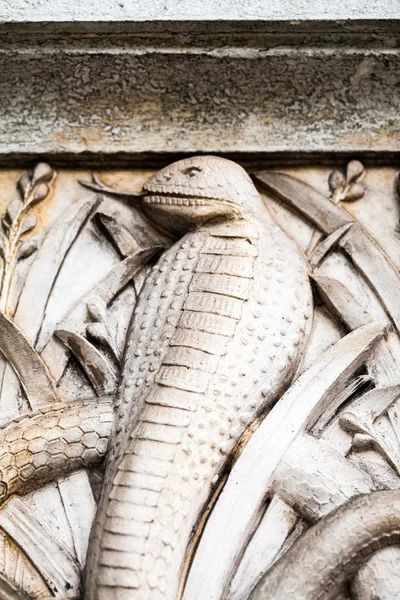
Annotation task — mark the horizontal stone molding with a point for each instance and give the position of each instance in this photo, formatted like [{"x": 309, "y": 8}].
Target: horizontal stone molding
[{"x": 130, "y": 90}]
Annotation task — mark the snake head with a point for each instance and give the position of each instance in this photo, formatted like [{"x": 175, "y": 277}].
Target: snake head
[{"x": 193, "y": 191}]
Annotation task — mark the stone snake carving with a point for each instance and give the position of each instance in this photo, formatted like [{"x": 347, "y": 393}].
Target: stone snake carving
[
  {"x": 330, "y": 553},
  {"x": 51, "y": 441},
  {"x": 217, "y": 335}
]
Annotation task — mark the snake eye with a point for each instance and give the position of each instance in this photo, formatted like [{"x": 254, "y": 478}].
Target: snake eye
[{"x": 192, "y": 171}]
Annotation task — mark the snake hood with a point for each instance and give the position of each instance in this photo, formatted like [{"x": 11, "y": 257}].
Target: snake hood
[{"x": 195, "y": 190}]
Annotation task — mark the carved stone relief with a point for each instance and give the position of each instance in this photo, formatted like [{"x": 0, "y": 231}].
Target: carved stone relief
[{"x": 201, "y": 367}]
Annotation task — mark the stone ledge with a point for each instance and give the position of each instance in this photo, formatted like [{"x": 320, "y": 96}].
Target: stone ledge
[{"x": 283, "y": 89}]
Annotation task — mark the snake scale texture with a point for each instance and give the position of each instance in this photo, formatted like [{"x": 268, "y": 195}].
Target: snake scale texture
[
  {"x": 329, "y": 554},
  {"x": 217, "y": 335}
]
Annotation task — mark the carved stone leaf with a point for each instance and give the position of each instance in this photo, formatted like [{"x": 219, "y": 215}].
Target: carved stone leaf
[
  {"x": 98, "y": 332},
  {"x": 29, "y": 223},
  {"x": 121, "y": 237},
  {"x": 314, "y": 205},
  {"x": 40, "y": 280},
  {"x": 27, "y": 248},
  {"x": 24, "y": 183},
  {"x": 56, "y": 565},
  {"x": 336, "y": 179},
  {"x": 40, "y": 193},
  {"x": 342, "y": 302},
  {"x": 13, "y": 209},
  {"x": 356, "y": 191},
  {"x": 322, "y": 250},
  {"x": 76, "y": 319},
  {"x": 96, "y": 367},
  {"x": 97, "y": 309},
  {"x": 42, "y": 173},
  {"x": 368, "y": 257},
  {"x": 3, "y": 240},
  {"x": 354, "y": 171},
  {"x": 32, "y": 371}
]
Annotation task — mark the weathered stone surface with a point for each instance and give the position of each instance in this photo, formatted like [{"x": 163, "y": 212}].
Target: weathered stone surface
[{"x": 252, "y": 93}]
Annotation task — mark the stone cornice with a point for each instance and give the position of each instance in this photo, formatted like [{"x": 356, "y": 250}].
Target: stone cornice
[{"x": 133, "y": 90}]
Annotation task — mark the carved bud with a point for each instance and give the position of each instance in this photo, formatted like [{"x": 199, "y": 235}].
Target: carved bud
[
  {"x": 363, "y": 441},
  {"x": 355, "y": 171},
  {"x": 355, "y": 192},
  {"x": 24, "y": 184},
  {"x": 41, "y": 192},
  {"x": 28, "y": 223},
  {"x": 13, "y": 210},
  {"x": 336, "y": 179},
  {"x": 42, "y": 173},
  {"x": 3, "y": 241},
  {"x": 97, "y": 332},
  {"x": 97, "y": 309},
  {"x": 100, "y": 333},
  {"x": 27, "y": 248}
]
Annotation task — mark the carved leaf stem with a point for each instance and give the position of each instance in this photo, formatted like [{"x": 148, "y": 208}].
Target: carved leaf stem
[{"x": 18, "y": 221}]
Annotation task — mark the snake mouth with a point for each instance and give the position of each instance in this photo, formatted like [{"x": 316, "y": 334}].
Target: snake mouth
[
  {"x": 181, "y": 198},
  {"x": 177, "y": 213},
  {"x": 176, "y": 200}
]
